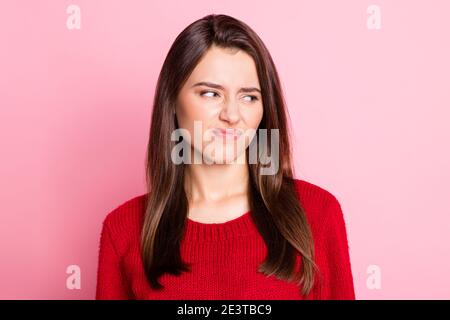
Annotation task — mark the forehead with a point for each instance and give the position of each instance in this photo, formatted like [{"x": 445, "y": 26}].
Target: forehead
[{"x": 230, "y": 67}]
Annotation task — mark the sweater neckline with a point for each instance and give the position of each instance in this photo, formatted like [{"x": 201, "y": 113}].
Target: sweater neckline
[{"x": 236, "y": 227}]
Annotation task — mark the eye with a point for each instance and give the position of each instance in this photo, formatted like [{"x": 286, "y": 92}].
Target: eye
[
  {"x": 253, "y": 98},
  {"x": 211, "y": 93}
]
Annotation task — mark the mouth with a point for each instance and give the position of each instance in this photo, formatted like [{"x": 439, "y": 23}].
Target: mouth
[{"x": 227, "y": 133}]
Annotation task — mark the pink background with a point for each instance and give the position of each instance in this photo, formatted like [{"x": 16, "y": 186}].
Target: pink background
[{"x": 369, "y": 108}]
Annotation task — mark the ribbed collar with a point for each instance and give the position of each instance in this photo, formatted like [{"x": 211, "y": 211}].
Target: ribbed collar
[{"x": 237, "y": 227}]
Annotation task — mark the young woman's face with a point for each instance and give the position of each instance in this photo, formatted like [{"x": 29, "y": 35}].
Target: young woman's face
[{"x": 222, "y": 92}]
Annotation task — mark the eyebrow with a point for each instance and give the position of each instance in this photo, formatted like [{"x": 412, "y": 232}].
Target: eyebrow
[{"x": 218, "y": 86}]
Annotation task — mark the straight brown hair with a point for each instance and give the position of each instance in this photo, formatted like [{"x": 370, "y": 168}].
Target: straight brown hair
[{"x": 274, "y": 203}]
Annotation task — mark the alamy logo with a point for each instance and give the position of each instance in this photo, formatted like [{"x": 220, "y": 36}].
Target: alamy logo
[
  {"x": 374, "y": 20},
  {"x": 74, "y": 19},
  {"x": 74, "y": 280},
  {"x": 258, "y": 148},
  {"x": 374, "y": 279}
]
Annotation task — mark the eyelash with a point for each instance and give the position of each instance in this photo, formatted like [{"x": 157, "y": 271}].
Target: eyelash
[{"x": 254, "y": 98}]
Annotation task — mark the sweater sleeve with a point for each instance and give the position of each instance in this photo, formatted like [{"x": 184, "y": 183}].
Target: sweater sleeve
[
  {"x": 338, "y": 283},
  {"x": 110, "y": 281}
]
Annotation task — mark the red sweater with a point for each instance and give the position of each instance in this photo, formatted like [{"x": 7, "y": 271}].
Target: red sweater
[{"x": 225, "y": 256}]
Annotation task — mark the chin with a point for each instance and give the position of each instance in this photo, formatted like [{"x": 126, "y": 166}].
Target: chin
[{"x": 211, "y": 159}]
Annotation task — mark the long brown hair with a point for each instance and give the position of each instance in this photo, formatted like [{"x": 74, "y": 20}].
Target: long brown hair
[{"x": 274, "y": 204}]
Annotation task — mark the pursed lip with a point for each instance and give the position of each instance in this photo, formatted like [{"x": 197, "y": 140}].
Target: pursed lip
[{"x": 227, "y": 132}]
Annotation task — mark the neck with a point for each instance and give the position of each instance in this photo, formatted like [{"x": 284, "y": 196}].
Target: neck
[{"x": 216, "y": 182}]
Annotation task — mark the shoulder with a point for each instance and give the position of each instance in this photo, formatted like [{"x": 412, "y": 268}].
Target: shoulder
[
  {"x": 125, "y": 219},
  {"x": 313, "y": 195},
  {"x": 318, "y": 203}
]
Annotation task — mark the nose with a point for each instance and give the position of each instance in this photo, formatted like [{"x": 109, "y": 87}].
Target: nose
[{"x": 230, "y": 111}]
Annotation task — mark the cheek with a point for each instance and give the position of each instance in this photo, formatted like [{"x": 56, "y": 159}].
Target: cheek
[
  {"x": 195, "y": 115},
  {"x": 254, "y": 116},
  {"x": 192, "y": 109}
]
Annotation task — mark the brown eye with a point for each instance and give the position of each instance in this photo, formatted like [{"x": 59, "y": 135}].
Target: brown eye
[
  {"x": 211, "y": 94},
  {"x": 253, "y": 98}
]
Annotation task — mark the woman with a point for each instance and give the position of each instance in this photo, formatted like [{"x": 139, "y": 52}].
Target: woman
[{"x": 221, "y": 227}]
